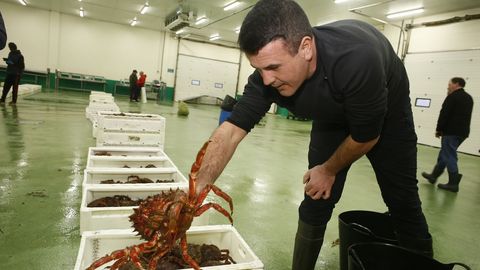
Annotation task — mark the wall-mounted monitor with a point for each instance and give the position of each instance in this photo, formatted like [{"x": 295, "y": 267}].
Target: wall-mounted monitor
[
  {"x": 195, "y": 82},
  {"x": 422, "y": 102}
]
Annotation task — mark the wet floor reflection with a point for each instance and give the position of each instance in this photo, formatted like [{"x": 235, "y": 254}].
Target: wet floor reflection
[
  {"x": 14, "y": 160},
  {"x": 13, "y": 137}
]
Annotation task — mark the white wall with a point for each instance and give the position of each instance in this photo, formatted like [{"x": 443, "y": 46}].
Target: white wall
[
  {"x": 107, "y": 49},
  {"x": 392, "y": 33},
  {"x": 455, "y": 36},
  {"x": 245, "y": 71},
  {"x": 28, "y": 28},
  {"x": 170, "y": 52},
  {"x": 48, "y": 39},
  {"x": 209, "y": 51},
  {"x": 214, "y": 67},
  {"x": 436, "y": 54}
]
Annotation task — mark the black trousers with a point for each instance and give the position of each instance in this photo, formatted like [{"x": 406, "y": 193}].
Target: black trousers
[
  {"x": 11, "y": 80},
  {"x": 134, "y": 91},
  {"x": 395, "y": 164}
]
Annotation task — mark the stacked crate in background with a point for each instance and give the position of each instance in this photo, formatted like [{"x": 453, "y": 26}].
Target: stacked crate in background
[
  {"x": 100, "y": 101},
  {"x": 129, "y": 164},
  {"x": 130, "y": 129}
]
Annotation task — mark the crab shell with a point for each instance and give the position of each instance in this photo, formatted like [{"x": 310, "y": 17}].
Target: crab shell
[{"x": 165, "y": 213}]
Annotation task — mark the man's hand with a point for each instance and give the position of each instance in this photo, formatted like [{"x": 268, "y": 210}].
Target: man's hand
[
  {"x": 438, "y": 134},
  {"x": 319, "y": 182}
]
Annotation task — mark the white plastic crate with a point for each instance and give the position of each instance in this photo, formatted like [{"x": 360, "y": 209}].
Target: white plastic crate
[
  {"x": 93, "y": 177},
  {"x": 93, "y": 108},
  {"x": 93, "y": 93},
  {"x": 94, "y": 128},
  {"x": 127, "y": 152},
  {"x": 106, "y": 218},
  {"x": 101, "y": 98},
  {"x": 132, "y": 162},
  {"x": 127, "y": 138},
  {"x": 96, "y": 117},
  {"x": 102, "y": 101},
  {"x": 97, "y": 106},
  {"x": 94, "y": 245},
  {"x": 136, "y": 122},
  {"x": 135, "y": 158}
]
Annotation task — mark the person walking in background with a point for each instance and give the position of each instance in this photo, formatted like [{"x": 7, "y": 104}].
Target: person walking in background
[
  {"x": 453, "y": 126},
  {"x": 140, "y": 83},
  {"x": 133, "y": 85},
  {"x": 15, "y": 68},
  {"x": 3, "y": 33}
]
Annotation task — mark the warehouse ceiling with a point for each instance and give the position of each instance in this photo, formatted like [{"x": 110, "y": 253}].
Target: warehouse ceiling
[{"x": 224, "y": 22}]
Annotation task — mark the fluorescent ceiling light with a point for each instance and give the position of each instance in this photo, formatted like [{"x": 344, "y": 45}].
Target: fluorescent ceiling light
[
  {"x": 144, "y": 8},
  {"x": 232, "y": 5},
  {"x": 201, "y": 20},
  {"x": 134, "y": 21},
  {"x": 405, "y": 13},
  {"x": 180, "y": 31},
  {"x": 22, "y": 2},
  {"x": 82, "y": 12},
  {"x": 340, "y": 1},
  {"x": 214, "y": 37}
]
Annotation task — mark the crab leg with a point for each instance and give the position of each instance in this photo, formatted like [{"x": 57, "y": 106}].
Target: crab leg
[
  {"x": 217, "y": 207},
  {"x": 216, "y": 190},
  {"x": 186, "y": 257},
  {"x": 159, "y": 254},
  {"x": 199, "y": 159},
  {"x": 147, "y": 247},
  {"x": 169, "y": 238},
  {"x": 117, "y": 254},
  {"x": 118, "y": 263},
  {"x": 224, "y": 195},
  {"x": 195, "y": 167}
]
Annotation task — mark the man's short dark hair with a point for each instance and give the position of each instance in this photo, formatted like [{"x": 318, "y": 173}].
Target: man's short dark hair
[
  {"x": 458, "y": 80},
  {"x": 134, "y": 71},
  {"x": 270, "y": 20},
  {"x": 12, "y": 46}
]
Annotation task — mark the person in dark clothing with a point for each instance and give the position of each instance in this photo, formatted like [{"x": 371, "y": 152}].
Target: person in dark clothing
[
  {"x": 3, "y": 33},
  {"x": 133, "y": 86},
  {"x": 453, "y": 126},
  {"x": 348, "y": 79},
  {"x": 15, "y": 68}
]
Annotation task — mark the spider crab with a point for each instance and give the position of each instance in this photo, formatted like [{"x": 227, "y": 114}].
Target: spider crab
[{"x": 163, "y": 219}]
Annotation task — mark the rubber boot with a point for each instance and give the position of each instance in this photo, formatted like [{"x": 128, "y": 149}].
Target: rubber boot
[
  {"x": 308, "y": 242},
  {"x": 453, "y": 181},
  {"x": 421, "y": 246},
  {"x": 432, "y": 177}
]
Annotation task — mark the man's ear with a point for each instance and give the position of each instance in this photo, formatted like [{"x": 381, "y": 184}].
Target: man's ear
[{"x": 306, "y": 48}]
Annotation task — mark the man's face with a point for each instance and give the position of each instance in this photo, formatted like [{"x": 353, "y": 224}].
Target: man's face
[
  {"x": 279, "y": 68},
  {"x": 452, "y": 87}
]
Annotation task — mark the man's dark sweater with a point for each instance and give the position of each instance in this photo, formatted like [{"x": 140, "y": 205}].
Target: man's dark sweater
[{"x": 456, "y": 114}]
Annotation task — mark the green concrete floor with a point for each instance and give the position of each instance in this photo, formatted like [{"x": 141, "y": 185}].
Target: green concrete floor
[{"x": 43, "y": 146}]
